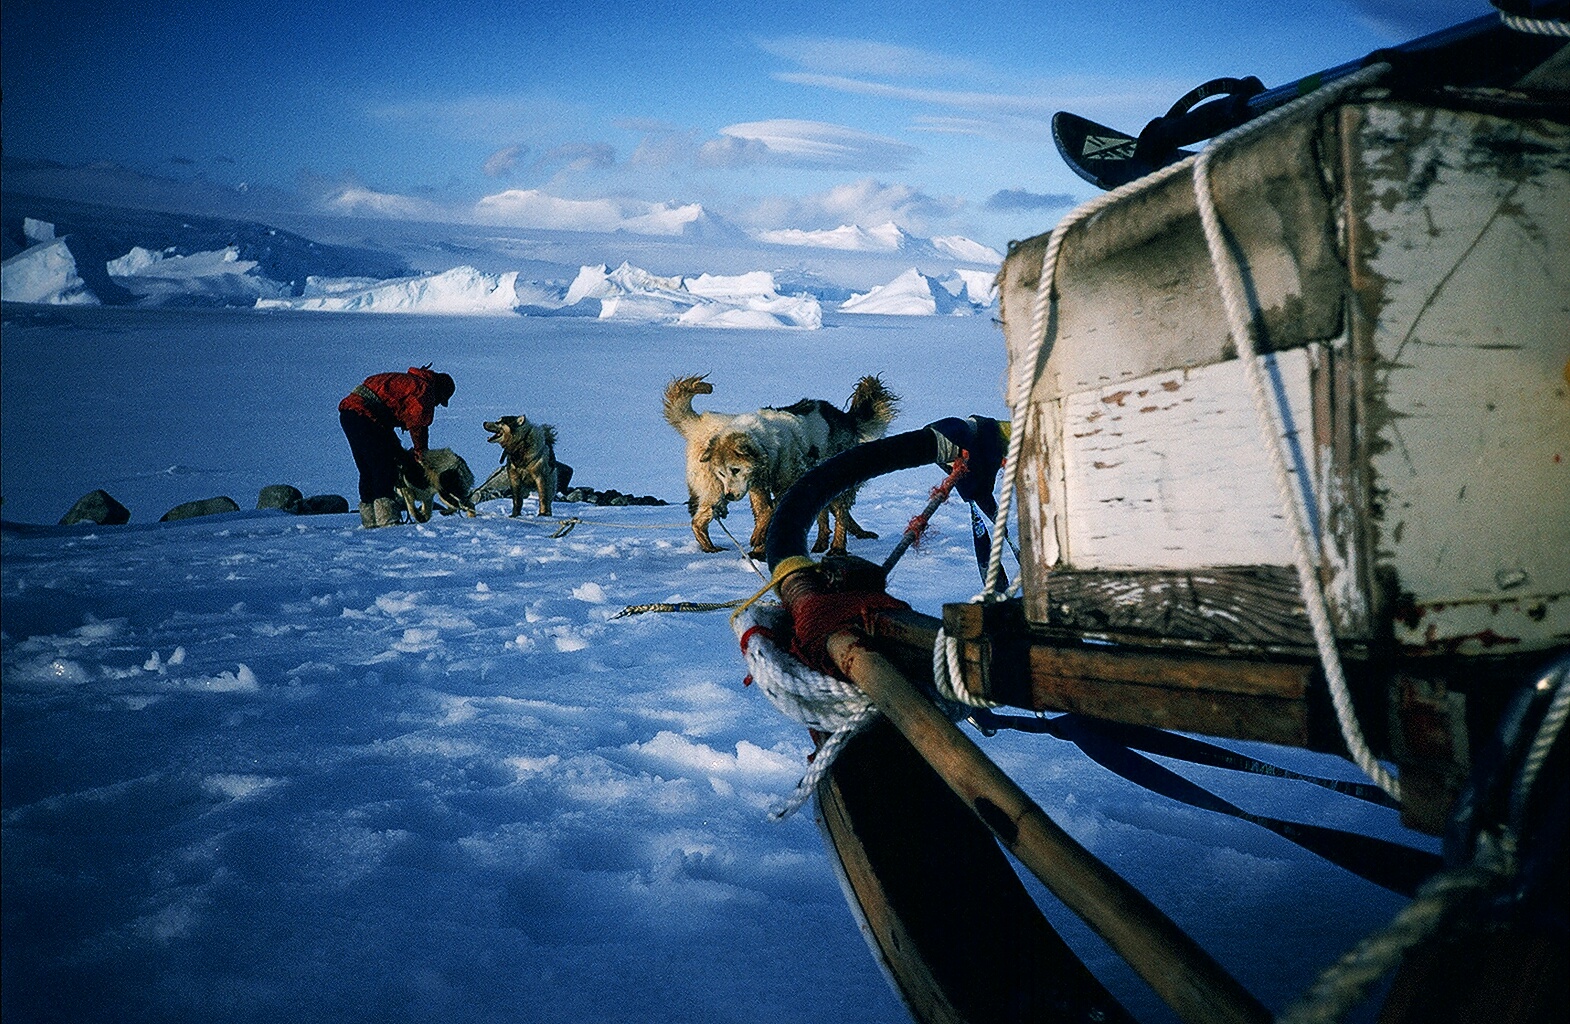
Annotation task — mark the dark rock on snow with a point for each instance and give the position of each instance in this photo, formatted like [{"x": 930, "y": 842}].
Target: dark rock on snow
[
  {"x": 281, "y": 496},
  {"x": 202, "y": 507},
  {"x": 97, "y": 507}
]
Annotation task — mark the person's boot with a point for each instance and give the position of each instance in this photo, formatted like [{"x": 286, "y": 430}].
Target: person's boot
[
  {"x": 367, "y": 515},
  {"x": 385, "y": 512}
]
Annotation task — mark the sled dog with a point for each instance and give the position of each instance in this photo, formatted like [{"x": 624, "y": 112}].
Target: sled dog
[
  {"x": 529, "y": 456},
  {"x": 760, "y": 454},
  {"x": 443, "y": 476}
]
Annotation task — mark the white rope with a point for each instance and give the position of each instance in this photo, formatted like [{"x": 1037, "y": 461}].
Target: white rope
[
  {"x": 1553, "y": 723},
  {"x": 1347, "y": 982},
  {"x": 803, "y": 694},
  {"x": 1240, "y": 319},
  {"x": 1535, "y": 26},
  {"x": 948, "y": 675},
  {"x": 1025, "y": 371}
]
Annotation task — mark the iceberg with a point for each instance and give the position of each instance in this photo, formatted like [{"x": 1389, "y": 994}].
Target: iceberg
[
  {"x": 916, "y": 294},
  {"x": 217, "y": 276},
  {"x": 744, "y": 300},
  {"x": 45, "y": 274},
  {"x": 459, "y": 291}
]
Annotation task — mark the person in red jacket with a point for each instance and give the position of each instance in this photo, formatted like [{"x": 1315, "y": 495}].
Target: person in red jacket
[{"x": 370, "y": 414}]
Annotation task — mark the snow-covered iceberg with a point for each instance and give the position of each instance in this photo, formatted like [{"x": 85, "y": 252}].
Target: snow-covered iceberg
[
  {"x": 218, "y": 277},
  {"x": 44, "y": 273},
  {"x": 459, "y": 291},
  {"x": 627, "y": 293},
  {"x": 916, "y": 294},
  {"x": 744, "y": 300}
]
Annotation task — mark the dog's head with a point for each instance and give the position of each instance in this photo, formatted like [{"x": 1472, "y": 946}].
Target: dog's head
[
  {"x": 733, "y": 459},
  {"x": 505, "y": 429}
]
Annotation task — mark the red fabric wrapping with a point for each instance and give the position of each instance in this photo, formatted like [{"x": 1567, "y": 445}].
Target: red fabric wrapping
[{"x": 816, "y": 617}]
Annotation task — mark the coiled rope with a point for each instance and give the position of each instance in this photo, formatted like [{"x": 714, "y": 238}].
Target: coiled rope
[{"x": 815, "y": 699}]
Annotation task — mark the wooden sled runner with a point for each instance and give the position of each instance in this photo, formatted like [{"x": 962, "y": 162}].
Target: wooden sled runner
[{"x": 1290, "y": 458}]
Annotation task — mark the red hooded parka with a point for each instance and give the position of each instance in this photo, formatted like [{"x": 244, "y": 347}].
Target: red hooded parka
[{"x": 403, "y": 400}]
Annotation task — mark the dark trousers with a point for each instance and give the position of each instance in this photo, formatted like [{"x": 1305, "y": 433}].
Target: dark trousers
[{"x": 377, "y": 452}]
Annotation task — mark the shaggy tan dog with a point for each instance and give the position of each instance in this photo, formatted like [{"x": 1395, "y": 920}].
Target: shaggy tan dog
[
  {"x": 443, "y": 475},
  {"x": 760, "y": 454},
  {"x": 529, "y": 453}
]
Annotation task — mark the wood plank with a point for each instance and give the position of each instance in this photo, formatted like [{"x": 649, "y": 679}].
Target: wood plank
[
  {"x": 1256, "y": 607},
  {"x": 1170, "y": 471},
  {"x": 942, "y": 906},
  {"x": 1168, "y": 959}
]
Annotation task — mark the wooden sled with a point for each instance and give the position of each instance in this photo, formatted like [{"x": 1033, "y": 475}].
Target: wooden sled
[{"x": 1405, "y": 258}]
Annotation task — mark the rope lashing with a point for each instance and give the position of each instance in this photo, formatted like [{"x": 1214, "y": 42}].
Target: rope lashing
[
  {"x": 676, "y": 606},
  {"x": 1535, "y": 26},
  {"x": 1030, "y": 361},
  {"x": 815, "y": 699},
  {"x": 1295, "y": 494},
  {"x": 948, "y": 675},
  {"x": 1493, "y": 869},
  {"x": 919, "y": 523},
  {"x": 1347, "y": 982},
  {"x": 816, "y": 617}
]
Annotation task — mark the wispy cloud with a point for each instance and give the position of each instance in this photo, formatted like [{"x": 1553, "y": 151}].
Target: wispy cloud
[
  {"x": 577, "y": 156},
  {"x": 1016, "y": 200},
  {"x": 813, "y": 144},
  {"x": 865, "y": 57},
  {"x": 504, "y": 161},
  {"x": 1033, "y": 103}
]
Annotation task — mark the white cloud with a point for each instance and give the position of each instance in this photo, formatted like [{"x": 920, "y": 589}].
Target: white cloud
[
  {"x": 532, "y": 208},
  {"x": 359, "y": 201},
  {"x": 866, "y": 201},
  {"x": 863, "y": 56}
]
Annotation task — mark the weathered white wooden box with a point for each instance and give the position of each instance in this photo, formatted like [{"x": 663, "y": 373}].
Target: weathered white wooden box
[{"x": 1409, "y": 265}]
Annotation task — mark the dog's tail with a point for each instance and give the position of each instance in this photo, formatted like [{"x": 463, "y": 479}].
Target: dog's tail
[
  {"x": 678, "y": 400},
  {"x": 550, "y": 435},
  {"x": 873, "y": 407}
]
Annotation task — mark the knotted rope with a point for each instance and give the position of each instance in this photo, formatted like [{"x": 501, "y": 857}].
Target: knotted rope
[{"x": 815, "y": 699}]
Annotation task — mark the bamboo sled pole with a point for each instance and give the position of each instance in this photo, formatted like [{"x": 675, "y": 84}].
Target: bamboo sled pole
[{"x": 1180, "y": 971}]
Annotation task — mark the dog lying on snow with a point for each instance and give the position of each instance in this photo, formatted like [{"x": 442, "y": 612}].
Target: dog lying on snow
[
  {"x": 529, "y": 458},
  {"x": 443, "y": 475},
  {"x": 760, "y": 454}
]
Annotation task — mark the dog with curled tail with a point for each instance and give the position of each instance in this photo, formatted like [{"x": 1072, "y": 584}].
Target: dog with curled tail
[{"x": 758, "y": 455}]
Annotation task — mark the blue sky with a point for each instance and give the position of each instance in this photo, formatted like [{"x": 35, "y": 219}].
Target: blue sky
[{"x": 594, "y": 115}]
